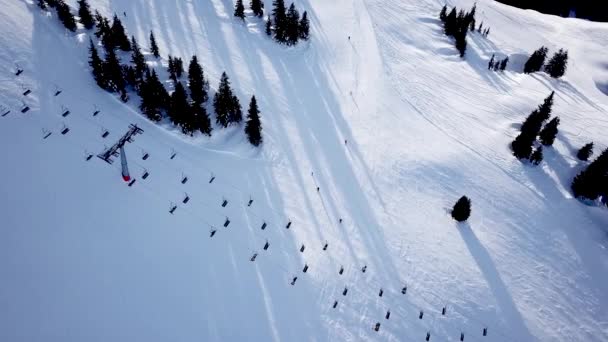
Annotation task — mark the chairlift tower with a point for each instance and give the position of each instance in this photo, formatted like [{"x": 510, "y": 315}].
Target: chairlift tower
[{"x": 119, "y": 146}]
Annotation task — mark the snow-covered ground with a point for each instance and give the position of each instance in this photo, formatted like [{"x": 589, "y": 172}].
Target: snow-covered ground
[{"x": 84, "y": 257}]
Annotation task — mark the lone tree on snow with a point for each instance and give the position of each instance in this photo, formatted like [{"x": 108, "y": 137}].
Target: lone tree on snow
[
  {"x": 462, "y": 209},
  {"x": 591, "y": 182},
  {"x": 585, "y": 152},
  {"x": 253, "y": 127}
]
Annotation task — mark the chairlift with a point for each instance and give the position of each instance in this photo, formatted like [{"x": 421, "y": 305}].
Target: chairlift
[
  {"x": 255, "y": 255},
  {"x": 132, "y": 182},
  {"x": 212, "y": 179},
  {"x": 288, "y": 225},
  {"x": 105, "y": 133},
  {"x": 27, "y": 92},
  {"x": 345, "y": 291},
  {"x": 325, "y": 246},
  {"x": 145, "y": 156},
  {"x": 57, "y": 91},
  {"x": 227, "y": 222},
  {"x": 263, "y": 226},
  {"x": 212, "y": 233},
  {"x": 4, "y": 110},
  {"x": 335, "y": 304},
  {"x": 172, "y": 208},
  {"x": 224, "y": 203},
  {"x": 186, "y": 199},
  {"x": 266, "y": 245},
  {"x": 145, "y": 175},
  {"x": 341, "y": 270},
  {"x": 377, "y": 327},
  {"x": 95, "y": 110},
  {"x": 302, "y": 248},
  {"x": 25, "y": 108},
  {"x": 428, "y": 335},
  {"x": 388, "y": 314},
  {"x": 380, "y": 293},
  {"x": 421, "y": 314},
  {"x": 250, "y": 202},
  {"x": 173, "y": 154},
  {"x": 305, "y": 268},
  {"x": 65, "y": 130},
  {"x": 65, "y": 112},
  {"x": 404, "y": 290},
  {"x": 46, "y": 133},
  {"x": 293, "y": 282},
  {"x": 88, "y": 156},
  {"x": 184, "y": 179}
]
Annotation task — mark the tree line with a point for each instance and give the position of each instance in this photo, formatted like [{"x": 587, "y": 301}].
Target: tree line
[
  {"x": 556, "y": 67},
  {"x": 458, "y": 23},
  {"x": 185, "y": 109}
]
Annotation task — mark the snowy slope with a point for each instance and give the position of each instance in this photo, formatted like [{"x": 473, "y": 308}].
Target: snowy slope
[{"x": 84, "y": 257}]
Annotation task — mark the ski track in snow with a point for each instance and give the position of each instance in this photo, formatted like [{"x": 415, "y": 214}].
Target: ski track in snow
[{"x": 84, "y": 257}]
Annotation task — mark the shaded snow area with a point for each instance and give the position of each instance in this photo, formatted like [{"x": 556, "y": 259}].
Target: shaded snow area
[{"x": 84, "y": 257}]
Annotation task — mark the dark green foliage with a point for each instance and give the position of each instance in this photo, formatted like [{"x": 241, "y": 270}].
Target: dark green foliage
[
  {"x": 197, "y": 83},
  {"x": 522, "y": 146},
  {"x": 239, "y": 10},
  {"x": 153, "y": 46},
  {"x": 41, "y": 4},
  {"x": 549, "y": 132},
  {"x": 129, "y": 75},
  {"x": 457, "y": 24},
  {"x": 480, "y": 27},
  {"x": 279, "y": 13},
  {"x": 84, "y": 12},
  {"x": 154, "y": 96},
  {"x": 203, "y": 123},
  {"x": 269, "y": 26},
  {"x": 585, "y": 152},
  {"x": 179, "y": 106},
  {"x": 503, "y": 64},
  {"x": 96, "y": 66},
  {"x": 227, "y": 108},
  {"x": 64, "y": 14},
  {"x": 443, "y": 15},
  {"x": 544, "y": 109},
  {"x": 536, "y": 61},
  {"x": 451, "y": 24},
  {"x": 138, "y": 60},
  {"x": 491, "y": 63},
  {"x": 591, "y": 182},
  {"x": 461, "y": 43},
  {"x": 556, "y": 67},
  {"x": 112, "y": 71},
  {"x": 462, "y": 209},
  {"x": 119, "y": 37},
  {"x": 257, "y": 7},
  {"x": 253, "y": 127},
  {"x": 104, "y": 31},
  {"x": 293, "y": 25},
  {"x": 472, "y": 25},
  {"x": 304, "y": 27}
]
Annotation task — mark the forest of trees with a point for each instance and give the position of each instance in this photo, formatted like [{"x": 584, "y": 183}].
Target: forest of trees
[
  {"x": 185, "y": 107},
  {"x": 555, "y": 67},
  {"x": 458, "y": 23}
]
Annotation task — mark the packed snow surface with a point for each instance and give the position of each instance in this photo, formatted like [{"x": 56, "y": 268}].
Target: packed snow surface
[{"x": 391, "y": 125}]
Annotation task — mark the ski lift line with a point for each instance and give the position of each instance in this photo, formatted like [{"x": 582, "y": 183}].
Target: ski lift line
[{"x": 236, "y": 188}]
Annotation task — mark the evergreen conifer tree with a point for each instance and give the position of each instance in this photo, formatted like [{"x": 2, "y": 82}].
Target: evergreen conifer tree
[
  {"x": 537, "y": 156},
  {"x": 472, "y": 25},
  {"x": 269, "y": 26},
  {"x": 153, "y": 46},
  {"x": 84, "y": 12},
  {"x": 161, "y": 96},
  {"x": 544, "y": 110},
  {"x": 239, "y": 10},
  {"x": 304, "y": 29},
  {"x": 257, "y": 7},
  {"x": 104, "y": 31},
  {"x": 444, "y": 13},
  {"x": 480, "y": 27},
  {"x": 590, "y": 183},
  {"x": 491, "y": 63},
  {"x": 293, "y": 25},
  {"x": 522, "y": 146},
  {"x": 462, "y": 209},
  {"x": 197, "y": 83},
  {"x": 556, "y": 67},
  {"x": 503, "y": 64},
  {"x": 203, "y": 123},
  {"x": 280, "y": 20},
  {"x": 536, "y": 61},
  {"x": 119, "y": 36},
  {"x": 235, "y": 116},
  {"x": 451, "y": 24},
  {"x": 461, "y": 43},
  {"x": 138, "y": 60},
  {"x": 179, "y": 108},
  {"x": 112, "y": 71},
  {"x": 549, "y": 132},
  {"x": 147, "y": 105},
  {"x": 41, "y": 4},
  {"x": 171, "y": 69},
  {"x": 179, "y": 66},
  {"x": 253, "y": 127},
  {"x": 585, "y": 152},
  {"x": 96, "y": 66},
  {"x": 65, "y": 15},
  {"x": 223, "y": 101}
]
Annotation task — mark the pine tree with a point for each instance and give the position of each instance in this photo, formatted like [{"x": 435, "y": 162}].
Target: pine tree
[
  {"x": 556, "y": 67},
  {"x": 104, "y": 31},
  {"x": 179, "y": 66},
  {"x": 522, "y": 146},
  {"x": 537, "y": 156},
  {"x": 179, "y": 107},
  {"x": 443, "y": 15},
  {"x": 491, "y": 63},
  {"x": 148, "y": 105},
  {"x": 64, "y": 14},
  {"x": 585, "y": 152},
  {"x": 304, "y": 29},
  {"x": 462, "y": 209},
  {"x": 536, "y": 61},
  {"x": 161, "y": 96},
  {"x": 280, "y": 20},
  {"x": 197, "y": 83},
  {"x": 236, "y": 114},
  {"x": 223, "y": 102},
  {"x": 253, "y": 127},
  {"x": 239, "y": 10},
  {"x": 138, "y": 60},
  {"x": 41, "y": 4},
  {"x": 84, "y": 12},
  {"x": 96, "y": 66},
  {"x": 171, "y": 69},
  {"x": 451, "y": 24},
  {"x": 472, "y": 25},
  {"x": 119, "y": 36},
  {"x": 112, "y": 71},
  {"x": 549, "y": 132},
  {"x": 203, "y": 123},
  {"x": 293, "y": 25},
  {"x": 487, "y": 32},
  {"x": 544, "y": 110},
  {"x": 153, "y": 46},
  {"x": 269, "y": 26},
  {"x": 503, "y": 64},
  {"x": 52, "y": 3},
  {"x": 480, "y": 27},
  {"x": 461, "y": 43},
  {"x": 590, "y": 183},
  {"x": 257, "y": 7}
]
